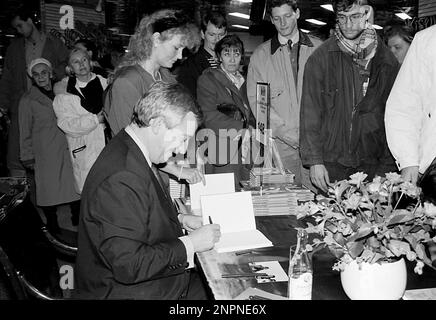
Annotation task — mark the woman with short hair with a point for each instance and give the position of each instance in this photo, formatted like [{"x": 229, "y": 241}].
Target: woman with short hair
[
  {"x": 78, "y": 106},
  {"x": 222, "y": 96}
]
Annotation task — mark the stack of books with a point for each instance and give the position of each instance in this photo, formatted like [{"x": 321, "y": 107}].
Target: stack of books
[
  {"x": 270, "y": 176},
  {"x": 280, "y": 201},
  {"x": 177, "y": 189}
]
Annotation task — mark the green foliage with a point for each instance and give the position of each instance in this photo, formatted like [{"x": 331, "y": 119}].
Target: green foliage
[{"x": 362, "y": 221}]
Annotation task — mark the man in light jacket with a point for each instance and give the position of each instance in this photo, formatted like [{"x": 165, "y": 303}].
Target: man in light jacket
[
  {"x": 280, "y": 62},
  {"x": 411, "y": 108}
]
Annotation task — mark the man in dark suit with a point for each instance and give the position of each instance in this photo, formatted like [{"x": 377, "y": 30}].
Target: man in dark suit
[{"x": 130, "y": 239}]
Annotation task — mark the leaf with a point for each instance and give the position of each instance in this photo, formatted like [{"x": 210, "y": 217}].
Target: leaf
[
  {"x": 340, "y": 188},
  {"x": 377, "y": 256},
  {"x": 373, "y": 242},
  {"x": 420, "y": 251},
  {"x": 400, "y": 218},
  {"x": 367, "y": 255},
  {"x": 364, "y": 230},
  {"x": 412, "y": 240},
  {"x": 337, "y": 252},
  {"x": 355, "y": 248},
  {"x": 398, "y": 248},
  {"x": 339, "y": 238}
]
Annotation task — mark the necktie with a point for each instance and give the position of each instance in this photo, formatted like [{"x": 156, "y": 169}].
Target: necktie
[{"x": 161, "y": 183}]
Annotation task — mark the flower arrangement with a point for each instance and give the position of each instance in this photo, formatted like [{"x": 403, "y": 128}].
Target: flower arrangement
[{"x": 367, "y": 222}]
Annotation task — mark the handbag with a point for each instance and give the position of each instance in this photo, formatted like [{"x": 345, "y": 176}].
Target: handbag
[{"x": 232, "y": 111}]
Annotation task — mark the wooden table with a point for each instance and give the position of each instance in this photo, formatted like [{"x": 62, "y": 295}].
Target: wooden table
[{"x": 281, "y": 231}]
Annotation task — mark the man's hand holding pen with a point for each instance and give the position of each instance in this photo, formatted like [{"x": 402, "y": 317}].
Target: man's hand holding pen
[{"x": 205, "y": 237}]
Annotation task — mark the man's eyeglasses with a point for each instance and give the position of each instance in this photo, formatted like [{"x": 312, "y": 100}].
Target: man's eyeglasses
[{"x": 354, "y": 18}]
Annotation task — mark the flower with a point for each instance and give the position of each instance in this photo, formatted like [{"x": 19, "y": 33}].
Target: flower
[{"x": 371, "y": 221}]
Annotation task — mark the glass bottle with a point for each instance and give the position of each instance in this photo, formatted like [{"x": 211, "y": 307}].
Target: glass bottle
[{"x": 300, "y": 270}]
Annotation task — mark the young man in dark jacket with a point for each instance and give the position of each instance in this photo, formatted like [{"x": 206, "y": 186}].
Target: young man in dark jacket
[
  {"x": 213, "y": 29},
  {"x": 347, "y": 81}
]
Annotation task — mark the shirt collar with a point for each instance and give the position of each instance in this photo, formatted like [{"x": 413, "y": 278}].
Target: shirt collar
[
  {"x": 295, "y": 38},
  {"x": 139, "y": 143},
  {"x": 300, "y": 37}
]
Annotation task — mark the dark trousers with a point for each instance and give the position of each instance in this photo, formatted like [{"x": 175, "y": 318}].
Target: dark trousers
[
  {"x": 196, "y": 289},
  {"x": 50, "y": 213},
  {"x": 339, "y": 172}
]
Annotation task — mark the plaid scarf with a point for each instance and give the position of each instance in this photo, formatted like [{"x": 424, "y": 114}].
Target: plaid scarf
[{"x": 364, "y": 50}]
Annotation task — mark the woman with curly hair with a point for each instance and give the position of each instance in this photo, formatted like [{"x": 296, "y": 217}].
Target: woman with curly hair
[{"x": 156, "y": 45}]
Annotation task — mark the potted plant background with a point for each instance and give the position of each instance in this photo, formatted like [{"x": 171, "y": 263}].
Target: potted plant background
[{"x": 366, "y": 225}]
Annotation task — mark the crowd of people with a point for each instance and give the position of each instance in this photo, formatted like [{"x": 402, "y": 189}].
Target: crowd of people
[{"x": 355, "y": 102}]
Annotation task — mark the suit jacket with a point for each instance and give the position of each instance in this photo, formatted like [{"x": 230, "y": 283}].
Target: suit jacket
[{"x": 128, "y": 246}]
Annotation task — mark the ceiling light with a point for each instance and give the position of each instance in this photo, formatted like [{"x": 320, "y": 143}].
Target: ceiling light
[
  {"x": 240, "y": 26},
  {"x": 376, "y": 26},
  {"x": 239, "y": 15},
  {"x": 328, "y": 7},
  {"x": 305, "y": 31},
  {"x": 317, "y": 22},
  {"x": 403, "y": 16},
  {"x": 9, "y": 35},
  {"x": 245, "y": 1}
]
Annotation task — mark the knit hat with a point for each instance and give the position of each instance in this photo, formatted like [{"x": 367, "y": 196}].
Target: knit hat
[{"x": 38, "y": 61}]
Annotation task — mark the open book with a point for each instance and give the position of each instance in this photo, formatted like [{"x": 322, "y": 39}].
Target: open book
[{"x": 235, "y": 215}]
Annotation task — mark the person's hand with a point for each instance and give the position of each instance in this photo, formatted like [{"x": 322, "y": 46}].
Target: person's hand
[
  {"x": 205, "y": 237},
  {"x": 190, "y": 222},
  {"x": 410, "y": 174},
  {"x": 192, "y": 175},
  {"x": 320, "y": 176}
]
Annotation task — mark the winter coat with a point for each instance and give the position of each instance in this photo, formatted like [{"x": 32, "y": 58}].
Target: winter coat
[
  {"x": 45, "y": 145},
  {"x": 215, "y": 88},
  {"x": 334, "y": 126},
  {"x": 84, "y": 132}
]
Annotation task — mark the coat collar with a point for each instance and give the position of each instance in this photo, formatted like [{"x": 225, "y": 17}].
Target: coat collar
[
  {"x": 222, "y": 78},
  {"x": 37, "y": 95},
  {"x": 304, "y": 40}
]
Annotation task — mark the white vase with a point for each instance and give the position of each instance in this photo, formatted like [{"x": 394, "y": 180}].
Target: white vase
[{"x": 385, "y": 281}]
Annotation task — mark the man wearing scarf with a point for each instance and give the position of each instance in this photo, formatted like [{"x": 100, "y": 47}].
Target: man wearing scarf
[{"x": 347, "y": 81}]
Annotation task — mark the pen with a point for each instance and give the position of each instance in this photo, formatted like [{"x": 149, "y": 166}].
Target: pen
[
  {"x": 244, "y": 275},
  {"x": 256, "y": 297},
  {"x": 210, "y": 220}
]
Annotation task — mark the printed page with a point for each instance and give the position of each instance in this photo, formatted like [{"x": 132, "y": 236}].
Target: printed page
[
  {"x": 232, "y": 211},
  {"x": 215, "y": 184}
]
